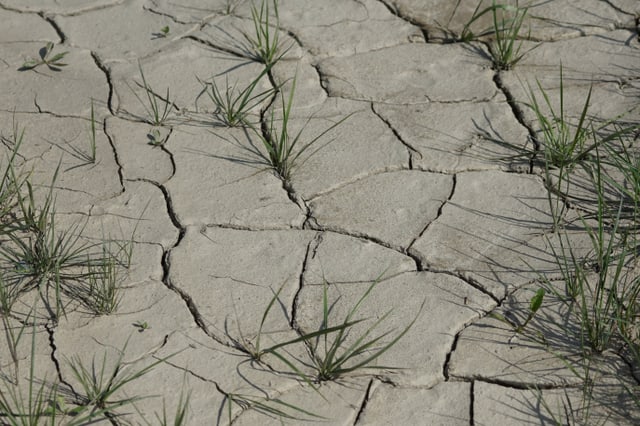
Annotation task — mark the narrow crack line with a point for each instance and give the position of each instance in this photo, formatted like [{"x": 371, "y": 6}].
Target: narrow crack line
[
  {"x": 107, "y": 74},
  {"x": 617, "y": 8},
  {"x": 54, "y": 24},
  {"x": 519, "y": 116},
  {"x": 524, "y": 385},
  {"x": 447, "y": 358},
  {"x": 312, "y": 249},
  {"x": 370, "y": 173},
  {"x": 365, "y": 401},
  {"x": 56, "y": 362},
  {"x": 410, "y": 148},
  {"x": 267, "y": 136},
  {"x": 52, "y": 346},
  {"x": 310, "y": 222},
  {"x": 151, "y": 10},
  {"x": 116, "y": 157},
  {"x": 237, "y": 227},
  {"x": 317, "y": 227},
  {"x": 17, "y": 10},
  {"x": 362, "y": 237},
  {"x": 472, "y": 401},
  {"x": 295, "y": 197},
  {"x": 172, "y": 159},
  {"x": 322, "y": 79},
  {"x": 454, "y": 185},
  {"x": 186, "y": 370},
  {"x": 87, "y": 9},
  {"x": 170, "y": 211},
  {"x": 469, "y": 280},
  {"x": 166, "y": 264},
  {"x": 395, "y": 12}
]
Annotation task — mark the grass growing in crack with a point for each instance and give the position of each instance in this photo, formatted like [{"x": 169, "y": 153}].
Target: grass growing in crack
[
  {"x": 564, "y": 145},
  {"x": 602, "y": 290},
  {"x": 54, "y": 63},
  {"x": 35, "y": 254},
  {"x": 265, "y": 42},
  {"x": 103, "y": 294},
  {"x": 162, "y": 33},
  {"x": 46, "y": 403},
  {"x": 99, "y": 385},
  {"x": 156, "y": 107},
  {"x": 625, "y": 162},
  {"x": 11, "y": 181},
  {"x": 284, "y": 150},
  {"x": 596, "y": 286},
  {"x": 534, "y": 306},
  {"x": 254, "y": 350},
  {"x": 505, "y": 49},
  {"x": 332, "y": 354},
  {"x": 467, "y": 34},
  {"x": 332, "y": 358},
  {"x": 233, "y": 106},
  {"x": 17, "y": 409},
  {"x": 38, "y": 254},
  {"x": 607, "y": 298}
]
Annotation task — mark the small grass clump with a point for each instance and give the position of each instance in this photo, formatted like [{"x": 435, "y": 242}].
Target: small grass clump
[
  {"x": 232, "y": 105},
  {"x": 54, "y": 63},
  {"x": 11, "y": 180},
  {"x": 99, "y": 385},
  {"x": 332, "y": 358},
  {"x": 284, "y": 150},
  {"x": 36, "y": 255},
  {"x": 265, "y": 42},
  {"x": 332, "y": 351},
  {"x": 156, "y": 107},
  {"x": 599, "y": 287},
  {"x": 505, "y": 48}
]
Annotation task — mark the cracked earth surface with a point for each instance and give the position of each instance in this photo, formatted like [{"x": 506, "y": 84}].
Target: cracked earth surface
[{"x": 411, "y": 186}]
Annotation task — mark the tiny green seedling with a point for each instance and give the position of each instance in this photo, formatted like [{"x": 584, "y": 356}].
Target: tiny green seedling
[
  {"x": 162, "y": 33},
  {"x": 141, "y": 326},
  {"x": 534, "y": 306},
  {"x": 155, "y": 138},
  {"x": 54, "y": 63}
]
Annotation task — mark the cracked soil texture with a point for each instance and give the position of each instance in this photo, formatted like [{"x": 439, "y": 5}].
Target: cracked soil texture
[{"x": 419, "y": 190}]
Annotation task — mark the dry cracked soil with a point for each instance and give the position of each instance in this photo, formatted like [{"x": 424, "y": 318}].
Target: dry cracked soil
[{"x": 421, "y": 190}]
